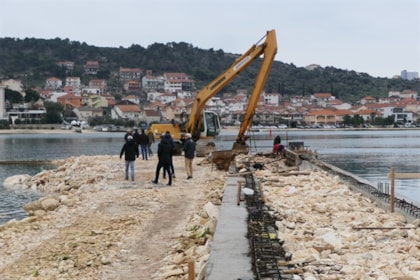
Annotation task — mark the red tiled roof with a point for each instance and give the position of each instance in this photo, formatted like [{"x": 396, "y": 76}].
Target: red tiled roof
[
  {"x": 322, "y": 95},
  {"x": 152, "y": 113},
  {"x": 69, "y": 96},
  {"x": 129, "y": 108}
]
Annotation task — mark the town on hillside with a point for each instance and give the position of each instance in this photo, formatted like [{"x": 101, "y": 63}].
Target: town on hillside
[{"x": 148, "y": 99}]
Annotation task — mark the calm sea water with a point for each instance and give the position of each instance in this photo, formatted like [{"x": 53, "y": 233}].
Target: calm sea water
[{"x": 368, "y": 154}]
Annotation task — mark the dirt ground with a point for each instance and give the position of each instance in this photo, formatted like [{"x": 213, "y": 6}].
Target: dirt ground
[{"x": 109, "y": 228}]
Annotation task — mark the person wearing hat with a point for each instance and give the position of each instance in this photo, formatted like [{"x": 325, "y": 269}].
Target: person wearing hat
[
  {"x": 128, "y": 133},
  {"x": 131, "y": 152},
  {"x": 189, "y": 152}
]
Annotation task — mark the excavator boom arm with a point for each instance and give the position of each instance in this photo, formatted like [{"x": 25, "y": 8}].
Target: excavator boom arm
[{"x": 269, "y": 49}]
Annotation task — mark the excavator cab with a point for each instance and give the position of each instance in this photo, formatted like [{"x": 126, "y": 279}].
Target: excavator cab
[
  {"x": 209, "y": 128},
  {"x": 211, "y": 124}
]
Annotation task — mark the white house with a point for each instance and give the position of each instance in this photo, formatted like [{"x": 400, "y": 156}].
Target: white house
[
  {"x": 132, "y": 98},
  {"x": 74, "y": 82},
  {"x": 400, "y": 116},
  {"x": 130, "y": 112},
  {"x": 53, "y": 83},
  {"x": 153, "y": 95},
  {"x": 217, "y": 105},
  {"x": 91, "y": 90},
  {"x": 54, "y": 95},
  {"x": 322, "y": 99},
  {"x": 166, "y": 97},
  {"x": 184, "y": 94},
  {"x": 271, "y": 98}
]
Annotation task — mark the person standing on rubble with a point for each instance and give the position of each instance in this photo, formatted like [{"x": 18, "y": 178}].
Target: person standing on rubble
[
  {"x": 151, "y": 141},
  {"x": 164, "y": 156},
  {"x": 130, "y": 151},
  {"x": 189, "y": 152},
  {"x": 168, "y": 137},
  {"x": 143, "y": 142}
]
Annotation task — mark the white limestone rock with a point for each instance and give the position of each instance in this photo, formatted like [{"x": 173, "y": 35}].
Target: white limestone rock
[
  {"x": 32, "y": 206},
  {"x": 16, "y": 182},
  {"x": 305, "y": 256},
  {"x": 211, "y": 210},
  {"x": 49, "y": 204}
]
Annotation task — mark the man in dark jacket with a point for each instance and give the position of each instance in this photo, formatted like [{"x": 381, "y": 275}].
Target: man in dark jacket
[
  {"x": 189, "y": 152},
  {"x": 131, "y": 152},
  {"x": 143, "y": 141},
  {"x": 168, "y": 137},
  {"x": 164, "y": 153}
]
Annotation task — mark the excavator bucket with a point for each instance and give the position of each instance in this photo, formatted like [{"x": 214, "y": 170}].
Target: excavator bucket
[
  {"x": 222, "y": 159},
  {"x": 240, "y": 148}
]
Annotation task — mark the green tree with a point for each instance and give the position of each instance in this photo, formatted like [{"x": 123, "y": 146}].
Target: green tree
[
  {"x": 103, "y": 74},
  {"x": 384, "y": 121},
  {"x": 13, "y": 96},
  {"x": 347, "y": 120},
  {"x": 31, "y": 95},
  {"x": 54, "y": 112},
  {"x": 357, "y": 120},
  {"x": 378, "y": 121},
  {"x": 34, "y": 60},
  {"x": 4, "y": 124},
  {"x": 389, "y": 120}
]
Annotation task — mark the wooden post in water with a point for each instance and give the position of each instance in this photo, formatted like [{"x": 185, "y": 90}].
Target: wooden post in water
[{"x": 392, "y": 176}]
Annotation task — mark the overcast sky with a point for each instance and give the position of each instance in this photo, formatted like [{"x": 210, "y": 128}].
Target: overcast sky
[{"x": 379, "y": 37}]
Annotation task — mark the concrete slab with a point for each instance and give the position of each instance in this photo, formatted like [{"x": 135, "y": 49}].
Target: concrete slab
[{"x": 229, "y": 250}]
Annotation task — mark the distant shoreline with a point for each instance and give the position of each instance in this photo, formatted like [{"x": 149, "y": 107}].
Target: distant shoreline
[
  {"x": 227, "y": 129},
  {"x": 42, "y": 131}
]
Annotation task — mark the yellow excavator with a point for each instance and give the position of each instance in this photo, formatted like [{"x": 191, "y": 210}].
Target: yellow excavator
[{"x": 205, "y": 125}]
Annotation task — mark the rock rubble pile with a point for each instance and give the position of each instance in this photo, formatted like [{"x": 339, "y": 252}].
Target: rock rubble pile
[
  {"x": 92, "y": 224},
  {"x": 334, "y": 233}
]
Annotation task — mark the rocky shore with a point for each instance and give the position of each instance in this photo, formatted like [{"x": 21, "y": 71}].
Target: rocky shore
[{"x": 92, "y": 224}]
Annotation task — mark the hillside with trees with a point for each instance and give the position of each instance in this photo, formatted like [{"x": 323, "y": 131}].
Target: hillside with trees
[{"x": 33, "y": 60}]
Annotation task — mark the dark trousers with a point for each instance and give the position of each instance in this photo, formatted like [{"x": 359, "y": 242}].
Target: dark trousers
[
  {"x": 171, "y": 168},
  {"x": 166, "y": 169},
  {"x": 144, "y": 151}
]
